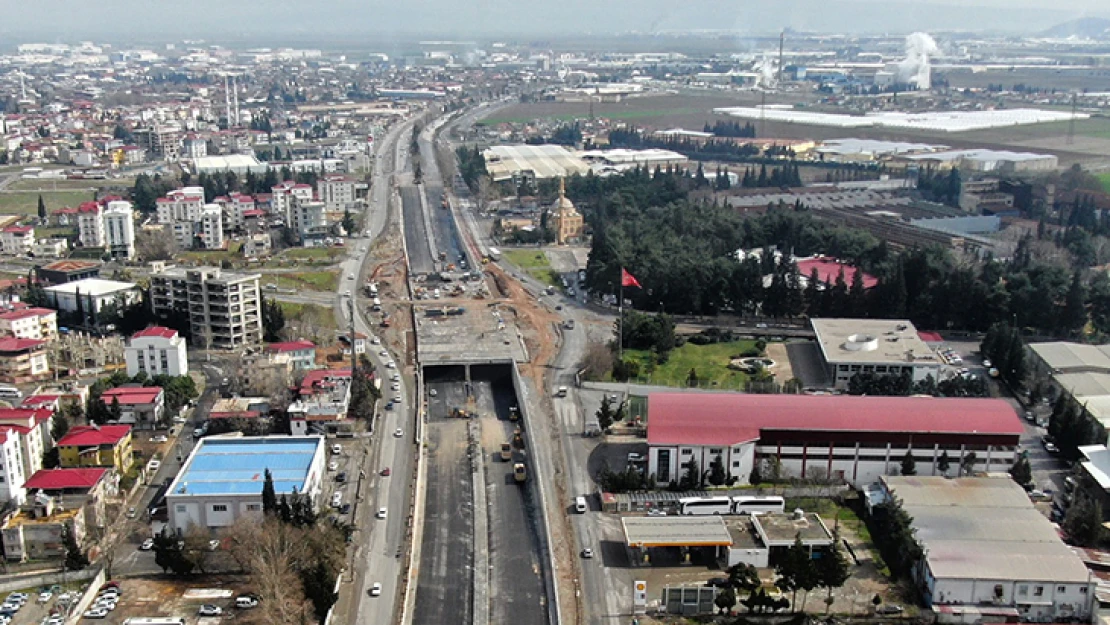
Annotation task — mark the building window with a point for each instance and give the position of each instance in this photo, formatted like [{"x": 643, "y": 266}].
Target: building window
[
  {"x": 1038, "y": 591},
  {"x": 687, "y": 452},
  {"x": 254, "y": 507},
  {"x": 736, "y": 464},
  {"x": 715, "y": 451},
  {"x": 1022, "y": 590},
  {"x": 1061, "y": 590},
  {"x": 180, "y": 508},
  {"x": 1082, "y": 590},
  {"x": 219, "y": 507}
]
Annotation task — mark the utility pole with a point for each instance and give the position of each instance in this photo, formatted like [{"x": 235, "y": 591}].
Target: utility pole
[
  {"x": 1071, "y": 120},
  {"x": 782, "y": 41}
]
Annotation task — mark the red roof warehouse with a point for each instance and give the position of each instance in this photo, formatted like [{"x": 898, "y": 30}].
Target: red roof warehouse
[{"x": 844, "y": 437}]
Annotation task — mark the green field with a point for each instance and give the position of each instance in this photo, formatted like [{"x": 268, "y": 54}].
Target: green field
[
  {"x": 27, "y": 202},
  {"x": 306, "y": 280},
  {"x": 45, "y": 185},
  {"x": 535, "y": 262},
  {"x": 710, "y": 362},
  {"x": 312, "y": 313},
  {"x": 627, "y": 115},
  {"x": 1104, "y": 178},
  {"x": 314, "y": 253},
  {"x": 214, "y": 257}
]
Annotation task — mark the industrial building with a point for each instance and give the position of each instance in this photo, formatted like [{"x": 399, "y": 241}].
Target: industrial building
[
  {"x": 1080, "y": 372},
  {"x": 95, "y": 294},
  {"x": 988, "y": 554},
  {"x": 842, "y": 438},
  {"x": 222, "y": 478},
  {"x": 532, "y": 162},
  {"x": 878, "y": 346}
]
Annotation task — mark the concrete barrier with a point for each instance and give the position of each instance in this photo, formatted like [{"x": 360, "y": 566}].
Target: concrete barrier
[
  {"x": 536, "y": 486},
  {"x": 98, "y": 577}
]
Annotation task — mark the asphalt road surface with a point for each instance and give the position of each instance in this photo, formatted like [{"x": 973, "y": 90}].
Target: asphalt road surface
[
  {"x": 445, "y": 586},
  {"x": 416, "y": 234}
]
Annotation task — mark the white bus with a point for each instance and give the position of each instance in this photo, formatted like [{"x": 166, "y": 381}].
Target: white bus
[
  {"x": 704, "y": 505},
  {"x": 758, "y": 505},
  {"x": 154, "y": 620}
]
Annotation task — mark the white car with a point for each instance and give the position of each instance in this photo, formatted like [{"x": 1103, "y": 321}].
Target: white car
[
  {"x": 399, "y": 432},
  {"x": 333, "y": 466},
  {"x": 210, "y": 610},
  {"x": 395, "y": 386},
  {"x": 45, "y": 596},
  {"x": 432, "y": 392},
  {"x": 336, "y": 499},
  {"x": 381, "y": 513},
  {"x": 396, "y": 377},
  {"x": 147, "y": 545},
  {"x": 398, "y": 398},
  {"x": 390, "y": 365},
  {"x": 107, "y": 603},
  {"x": 161, "y": 438},
  {"x": 376, "y": 589},
  {"x": 375, "y": 341},
  {"x": 96, "y": 613},
  {"x": 383, "y": 353}
]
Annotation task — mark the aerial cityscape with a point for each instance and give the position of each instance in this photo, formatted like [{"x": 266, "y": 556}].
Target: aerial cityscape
[{"x": 587, "y": 315}]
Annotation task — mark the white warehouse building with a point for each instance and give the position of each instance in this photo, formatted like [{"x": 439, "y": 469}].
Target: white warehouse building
[
  {"x": 878, "y": 346},
  {"x": 156, "y": 351}
]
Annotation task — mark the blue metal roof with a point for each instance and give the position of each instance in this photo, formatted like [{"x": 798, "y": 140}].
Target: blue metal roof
[{"x": 237, "y": 465}]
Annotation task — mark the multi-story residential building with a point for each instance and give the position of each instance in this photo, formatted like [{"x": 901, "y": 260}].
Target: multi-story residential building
[
  {"x": 142, "y": 407},
  {"x": 236, "y": 207},
  {"x": 90, "y": 225},
  {"x": 301, "y": 354},
  {"x": 183, "y": 204},
  {"x": 257, "y": 245},
  {"x": 336, "y": 191},
  {"x": 32, "y": 428},
  {"x": 160, "y": 141},
  {"x": 224, "y": 308},
  {"x": 69, "y": 498},
  {"x": 308, "y": 220},
  {"x": 156, "y": 351},
  {"x": 96, "y": 446},
  {"x": 285, "y": 196},
  {"x": 210, "y": 228},
  {"x": 12, "y": 473},
  {"x": 23, "y": 360},
  {"x": 54, "y": 247},
  {"x": 194, "y": 147},
  {"x": 17, "y": 240},
  {"x": 119, "y": 229},
  {"x": 30, "y": 323}
]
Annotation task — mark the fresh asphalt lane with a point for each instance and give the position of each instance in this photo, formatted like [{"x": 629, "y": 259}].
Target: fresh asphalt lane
[{"x": 381, "y": 540}]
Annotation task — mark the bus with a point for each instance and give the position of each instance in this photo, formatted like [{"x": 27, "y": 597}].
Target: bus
[
  {"x": 758, "y": 505},
  {"x": 704, "y": 505}
]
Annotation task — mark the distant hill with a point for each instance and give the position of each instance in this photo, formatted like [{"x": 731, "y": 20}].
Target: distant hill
[{"x": 1084, "y": 27}]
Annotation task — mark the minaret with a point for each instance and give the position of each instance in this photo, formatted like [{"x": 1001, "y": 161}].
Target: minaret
[
  {"x": 227, "y": 100},
  {"x": 562, "y": 192},
  {"x": 235, "y": 93}
]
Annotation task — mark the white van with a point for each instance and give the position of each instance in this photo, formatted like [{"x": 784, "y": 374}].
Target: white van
[
  {"x": 580, "y": 505},
  {"x": 10, "y": 392},
  {"x": 561, "y": 391}
]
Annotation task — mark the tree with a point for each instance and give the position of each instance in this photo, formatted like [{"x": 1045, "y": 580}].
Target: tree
[
  {"x": 273, "y": 320},
  {"x": 115, "y": 411},
  {"x": 743, "y": 577},
  {"x": 943, "y": 463},
  {"x": 348, "y": 222},
  {"x": 197, "y": 548},
  {"x": 796, "y": 571},
  {"x": 1021, "y": 471},
  {"x": 76, "y": 559},
  {"x": 832, "y": 570},
  {"x": 1083, "y": 522},
  {"x": 725, "y": 600},
  {"x": 269, "y": 498},
  {"x": 42, "y": 210},
  {"x": 691, "y": 478},
  {"x": 1074, "y": 316},
  {"x": 717, "y": 474},
  {"x": 319, "y": 588},
  {"x": 909, "y": 465},
  {"x": 605, "y": 414}
]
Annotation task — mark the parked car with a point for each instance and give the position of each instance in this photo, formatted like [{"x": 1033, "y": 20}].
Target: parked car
[
  {"x": 381, "y": 513},
  {"x": 210, "y": 610},
  {"x": 147, "y": 545},
  {"x": 96, "y": 613},
  {"x": 376, "y": 589},
  {"x": 889, "y": 609},
  {"x": 341, "y": 477},
  {"x": 246, "y": 602},
  {"x": 717, "y": 582},
  {"x": 345, "y": 509},
  {"x": 386, "y": 472},
  {"x": 587, "y": 553}
]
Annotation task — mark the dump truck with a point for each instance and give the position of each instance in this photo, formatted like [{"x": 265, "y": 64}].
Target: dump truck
[
  {"x": 520, "y": 474},
  {"x": 506, "y": 452},
  {"x": 518, "y": 438},
  {"x": 514, "y": 413}
]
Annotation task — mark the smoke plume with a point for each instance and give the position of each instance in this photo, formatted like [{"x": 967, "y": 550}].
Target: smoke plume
[{"x": 914, "y": 69}]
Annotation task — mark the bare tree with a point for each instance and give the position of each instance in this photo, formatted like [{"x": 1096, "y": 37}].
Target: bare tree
[
  {"x": 197, "y": 546},
  {"x": 155, "y": 244},
  {"x": 597, "y": 361},
  {"x": 277, "y": 547}
]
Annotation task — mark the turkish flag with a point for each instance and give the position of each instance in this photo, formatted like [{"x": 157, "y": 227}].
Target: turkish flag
[{"x": 628, "y": 279}]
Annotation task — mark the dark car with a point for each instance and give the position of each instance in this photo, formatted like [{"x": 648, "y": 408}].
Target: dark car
[
  {"x": 341, "y": 477},
  {"x": 345, "y": 508},
  {"x": 718, "y": 582}
]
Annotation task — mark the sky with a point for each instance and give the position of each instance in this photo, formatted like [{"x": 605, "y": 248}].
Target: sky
[{"x": 255, "y": 20}]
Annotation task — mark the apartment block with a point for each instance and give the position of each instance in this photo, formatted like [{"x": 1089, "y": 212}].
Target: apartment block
[
  {"x": 17, "y": 240},
  {"x": 183, "y": 204},
  {"x": 224, "y": 308},
  {"x": 23, "y": 360},
  {"x": 336, "y": 191},
  {"x": 119, "y": 229},
  {"x": 90, "y": 225},
  {"x": 156, "y": 351},
  {"x": 210, "y": 228},
  {"x": 30, "y": 323},
  {"x": 285, "y": 196}
]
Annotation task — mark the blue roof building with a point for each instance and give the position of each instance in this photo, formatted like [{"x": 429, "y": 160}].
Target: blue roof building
[{"x": 222, "y": 478}]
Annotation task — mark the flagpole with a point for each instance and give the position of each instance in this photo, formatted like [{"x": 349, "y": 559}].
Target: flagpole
[{"x": 620, "y": 317}]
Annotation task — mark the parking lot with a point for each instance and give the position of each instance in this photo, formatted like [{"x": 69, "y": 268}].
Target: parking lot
[
  {"x": 41, "y": 603},
  {"x": 180, "y": 598}
]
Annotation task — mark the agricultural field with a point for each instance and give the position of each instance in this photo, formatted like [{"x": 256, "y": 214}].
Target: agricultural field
[
  {"x": 27, "y": 202},
  {"x": 710, "y": 362},
  {"x": 1104, "y": 178},
  {"x": 314, "y": 254},
  {"x": 657, "y": 111}
]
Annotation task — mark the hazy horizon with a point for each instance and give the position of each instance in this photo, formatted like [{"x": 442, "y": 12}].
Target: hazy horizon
[{"x": 262, "y": 21}]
